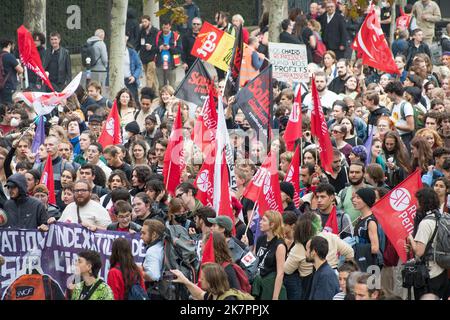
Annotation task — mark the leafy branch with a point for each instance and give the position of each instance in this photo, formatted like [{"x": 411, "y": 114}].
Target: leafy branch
[{"x": 174, "y": 9}]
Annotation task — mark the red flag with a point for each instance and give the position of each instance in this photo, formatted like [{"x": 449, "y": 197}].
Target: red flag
[
  {"x": 371, "y": 44},
  {"x": 396, "y": 212},
  {"x": 204, "y": 181},
  {"x": 319, "y": 129},
  {"x": 111, "y": 134},
  {"x": 225, "y": 208},
  {"x": 294, "y": 126},
  {"x": 204, "y": 133},
  {"x": 332, "y": 224},
  {"x": 265, "y": 187},
  {"x": 30, "y": 56},
  {"x": 293, "y": 176},
  {"x": 174, "y": 157},
  {"x": 48, "y": 180},
  {"x": 207, "y": 255}
]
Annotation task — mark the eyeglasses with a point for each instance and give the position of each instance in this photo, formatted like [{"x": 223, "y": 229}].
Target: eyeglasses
[{"x": 80, "y": 190}]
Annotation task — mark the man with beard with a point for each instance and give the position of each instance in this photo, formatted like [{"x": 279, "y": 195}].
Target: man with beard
[
  {"x": 326, "y": 200},
  {"x": 339, "y": 177},
  {"x": 147, "y": 50},
  {"x": 356, "y": 178},
  {"x": 89, "y": 213},
  {"x": 325, "y": 284},
  {"x": 338, "y": 83},
  {"x": 22, "y": 211},
  {"x": 327, "y": 97},
  {"x": 188, "y": 43}
]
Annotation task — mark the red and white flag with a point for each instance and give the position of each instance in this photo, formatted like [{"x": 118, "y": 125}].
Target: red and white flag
[
  {"x": 48, "y": 180},
  {"x": 294, "y": 126},
  {"x": 174, "y": 163},
  {"x": 293, "y": 176},
  {"x": 265, "y": 187},
  {"x": 332, "y": 223},
  {"x": 225, "y": 208},
  {"x": 204, "y": 182},
  {"x": 204, "y": 133},
  {"x": 319, "y": 129},
  {"x": 396, "y": 212},
  {"x": 372, "y": 46},
  {"x": 30, "y": 56},
  {"x": 111, "y": 133}
]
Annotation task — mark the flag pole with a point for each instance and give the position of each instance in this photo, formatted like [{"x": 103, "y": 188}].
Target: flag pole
[
  {"x": 251, "y": 218},
  {"x": 301, "y": 151}
]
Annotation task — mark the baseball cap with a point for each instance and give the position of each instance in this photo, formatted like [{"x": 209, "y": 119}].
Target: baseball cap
[{"x": 222, "y": 221}]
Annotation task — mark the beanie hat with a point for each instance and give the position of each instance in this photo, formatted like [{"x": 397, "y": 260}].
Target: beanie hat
[
  {"x": 287, "y": 188},
  {"x": 367, "y": 195},
  {"x": 41, "y": 188},
  {"x": 360, "y": 151},
  {"x": 133, "y": 127}
]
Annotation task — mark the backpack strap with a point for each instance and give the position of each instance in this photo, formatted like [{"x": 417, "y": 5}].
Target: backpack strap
[
  {"x": 157, "y": 37},
  {"x": 91, "y": 292},
  {"x": 437, "y": 216},
  {"x": 402, "y": 110}
]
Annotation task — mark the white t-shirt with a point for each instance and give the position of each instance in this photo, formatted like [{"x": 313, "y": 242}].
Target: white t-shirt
[
  {"x": 326, "y": 100},
  {"x": 92, "y": 213},
  {"x": 396, "y": 116}
]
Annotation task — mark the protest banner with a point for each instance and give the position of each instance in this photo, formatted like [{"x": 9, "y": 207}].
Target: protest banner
[
  {"x": 289, "y": 62},
  {"x": 214, "y": 46},
  {"x": 195, "y": 85},
  {"x": 54, "y": 253}
]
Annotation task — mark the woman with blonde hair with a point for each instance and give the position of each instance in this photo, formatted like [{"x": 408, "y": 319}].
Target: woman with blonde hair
[
  {"x": 433, "y": 138},
  {"x": 271, "y": 251},
  {"x": 384, "y": 125},
  {"x": 167, "y": 101},
  {"x": 329, "y": 65}
]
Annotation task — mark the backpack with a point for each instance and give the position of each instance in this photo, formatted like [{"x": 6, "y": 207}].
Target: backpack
[
  {"x": 136, "y": 292},
  {"x": 319, "y": 51},
  {"x": 242, "y": 277},
  {"x": 236, "y": 293},
  {"x": 87, "y": 51},
  {"x": 179, "y": 253},
  {"x": 33, "y": 287},
  {"x": 441, "y": 252},
  {"x": 419, "y": 116},
  {"x": 3, "y": 76}
]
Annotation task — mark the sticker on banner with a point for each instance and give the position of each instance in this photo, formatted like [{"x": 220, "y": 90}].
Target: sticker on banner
[{"x": 248, "y": 259}]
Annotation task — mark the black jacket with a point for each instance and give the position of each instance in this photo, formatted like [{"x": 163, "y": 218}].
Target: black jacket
[
  {"x": 286, "y": 37},
  {"x": 337, "y": 85},
  {"x": 187, "y": 44},
  {"x": 64, "y": 67},
  {"x": 413, "y": 51},
  {"x": 334, "y": 34},
  {"x": 24, "y": 212},
  {"x": 376, "y": 114},
  {"x": 150, "y": 38}
]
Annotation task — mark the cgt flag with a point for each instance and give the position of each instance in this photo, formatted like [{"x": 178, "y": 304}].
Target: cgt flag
[
  {"x": 319, "y": 129},
  {"x": 195, "y": 85},
  {"x": 371, "y": 44},
  {"x": 174, "y": 163},
  {"x": 214, "y": 46},
  {"x": 30, "y": 56},
  {"x": 48, "y": 180},
  {"x": 232, "y": 84},
  {"x": 396, "y": 212}
]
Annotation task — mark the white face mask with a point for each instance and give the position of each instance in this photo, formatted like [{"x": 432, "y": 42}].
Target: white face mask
[{"x": 14, "y": 122}]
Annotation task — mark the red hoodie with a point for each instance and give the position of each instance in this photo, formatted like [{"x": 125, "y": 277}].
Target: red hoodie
[{"x": 115, "y": 281}]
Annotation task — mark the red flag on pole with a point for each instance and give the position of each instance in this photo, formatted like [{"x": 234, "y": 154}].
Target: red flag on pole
[
  {"x": 332, "y": 223},
  {"x": 111, "y": 134},
  {"x": 265, "y": 187},
  {"x": 204, "y": 181},
  {"x": 294, "y": 126},
  {"x": 319, "y": 129},
  {"x": 174, "y": 157},
  {"x": 225, "y": 208},
  {"x": 396, "y": 212},
  {"x": 48, "y": 180},
  {"x": 207, "y": 255},
  {"x": 371, "y": 44},
  {"x": 30, "y": 56},
  {"x": 204, "y": 133},
  {"x": 293, "y": 176}
]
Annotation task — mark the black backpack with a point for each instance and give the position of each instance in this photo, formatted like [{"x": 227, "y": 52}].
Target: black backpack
[{"x": 87, "y": 51}]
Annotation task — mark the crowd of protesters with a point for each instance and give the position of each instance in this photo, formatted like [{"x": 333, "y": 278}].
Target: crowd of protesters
[{"x": 120, "y": 187}]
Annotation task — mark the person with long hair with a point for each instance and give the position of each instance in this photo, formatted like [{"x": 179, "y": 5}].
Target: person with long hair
[
  {"x": 126, "y": 106},
  {"x": 177, "y": 214},
  {"x": 305, "y": 34},
  {"x": 142, "y": 209},
  {"x": 421, "y": 154},
  {"x": 351, "y": 88},
  {"x": 432, "y": 137},
  {"x": 396, "y": 159},
  {"x": 271, "y": 251},
  {"x": 124, "y": 272},
  {"x": 139, "y": 150},
  {"x": 117, "y": 179},
  {"x": 329, "y": 65},
  {"x": 339, "y": 132},
  {"x": 442, "y": 188},
  {"x": 376, "y": 153},
  {"x": 351, "y": 138},
  {"x": 424, "y": 226},
  {"x": 167, "y": 101}
]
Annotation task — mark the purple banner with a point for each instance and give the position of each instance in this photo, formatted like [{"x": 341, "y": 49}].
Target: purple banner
[{"x": 54, "y": 253}]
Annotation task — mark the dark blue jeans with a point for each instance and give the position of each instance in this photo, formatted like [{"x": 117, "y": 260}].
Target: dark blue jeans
[{"x": 293, "y": 286}]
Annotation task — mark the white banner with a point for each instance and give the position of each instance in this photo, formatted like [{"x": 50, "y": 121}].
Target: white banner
[{"x": 289, "y": 62}]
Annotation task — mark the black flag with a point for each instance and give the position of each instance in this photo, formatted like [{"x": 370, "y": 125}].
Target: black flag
[
  {"x": 195, "y": 85},
  {"x": 232, "y": 84}
]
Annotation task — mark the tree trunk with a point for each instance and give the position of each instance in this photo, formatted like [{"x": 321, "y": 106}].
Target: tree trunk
[
  {"x": 276, "y": 15},
  {"x": 117, "y": 51},
  {"x": 392, "y": 25},
  {"x": 34, "y": 18},
  {"x": 150, "y": 7},
  {"x": 266, "y": 5}
]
